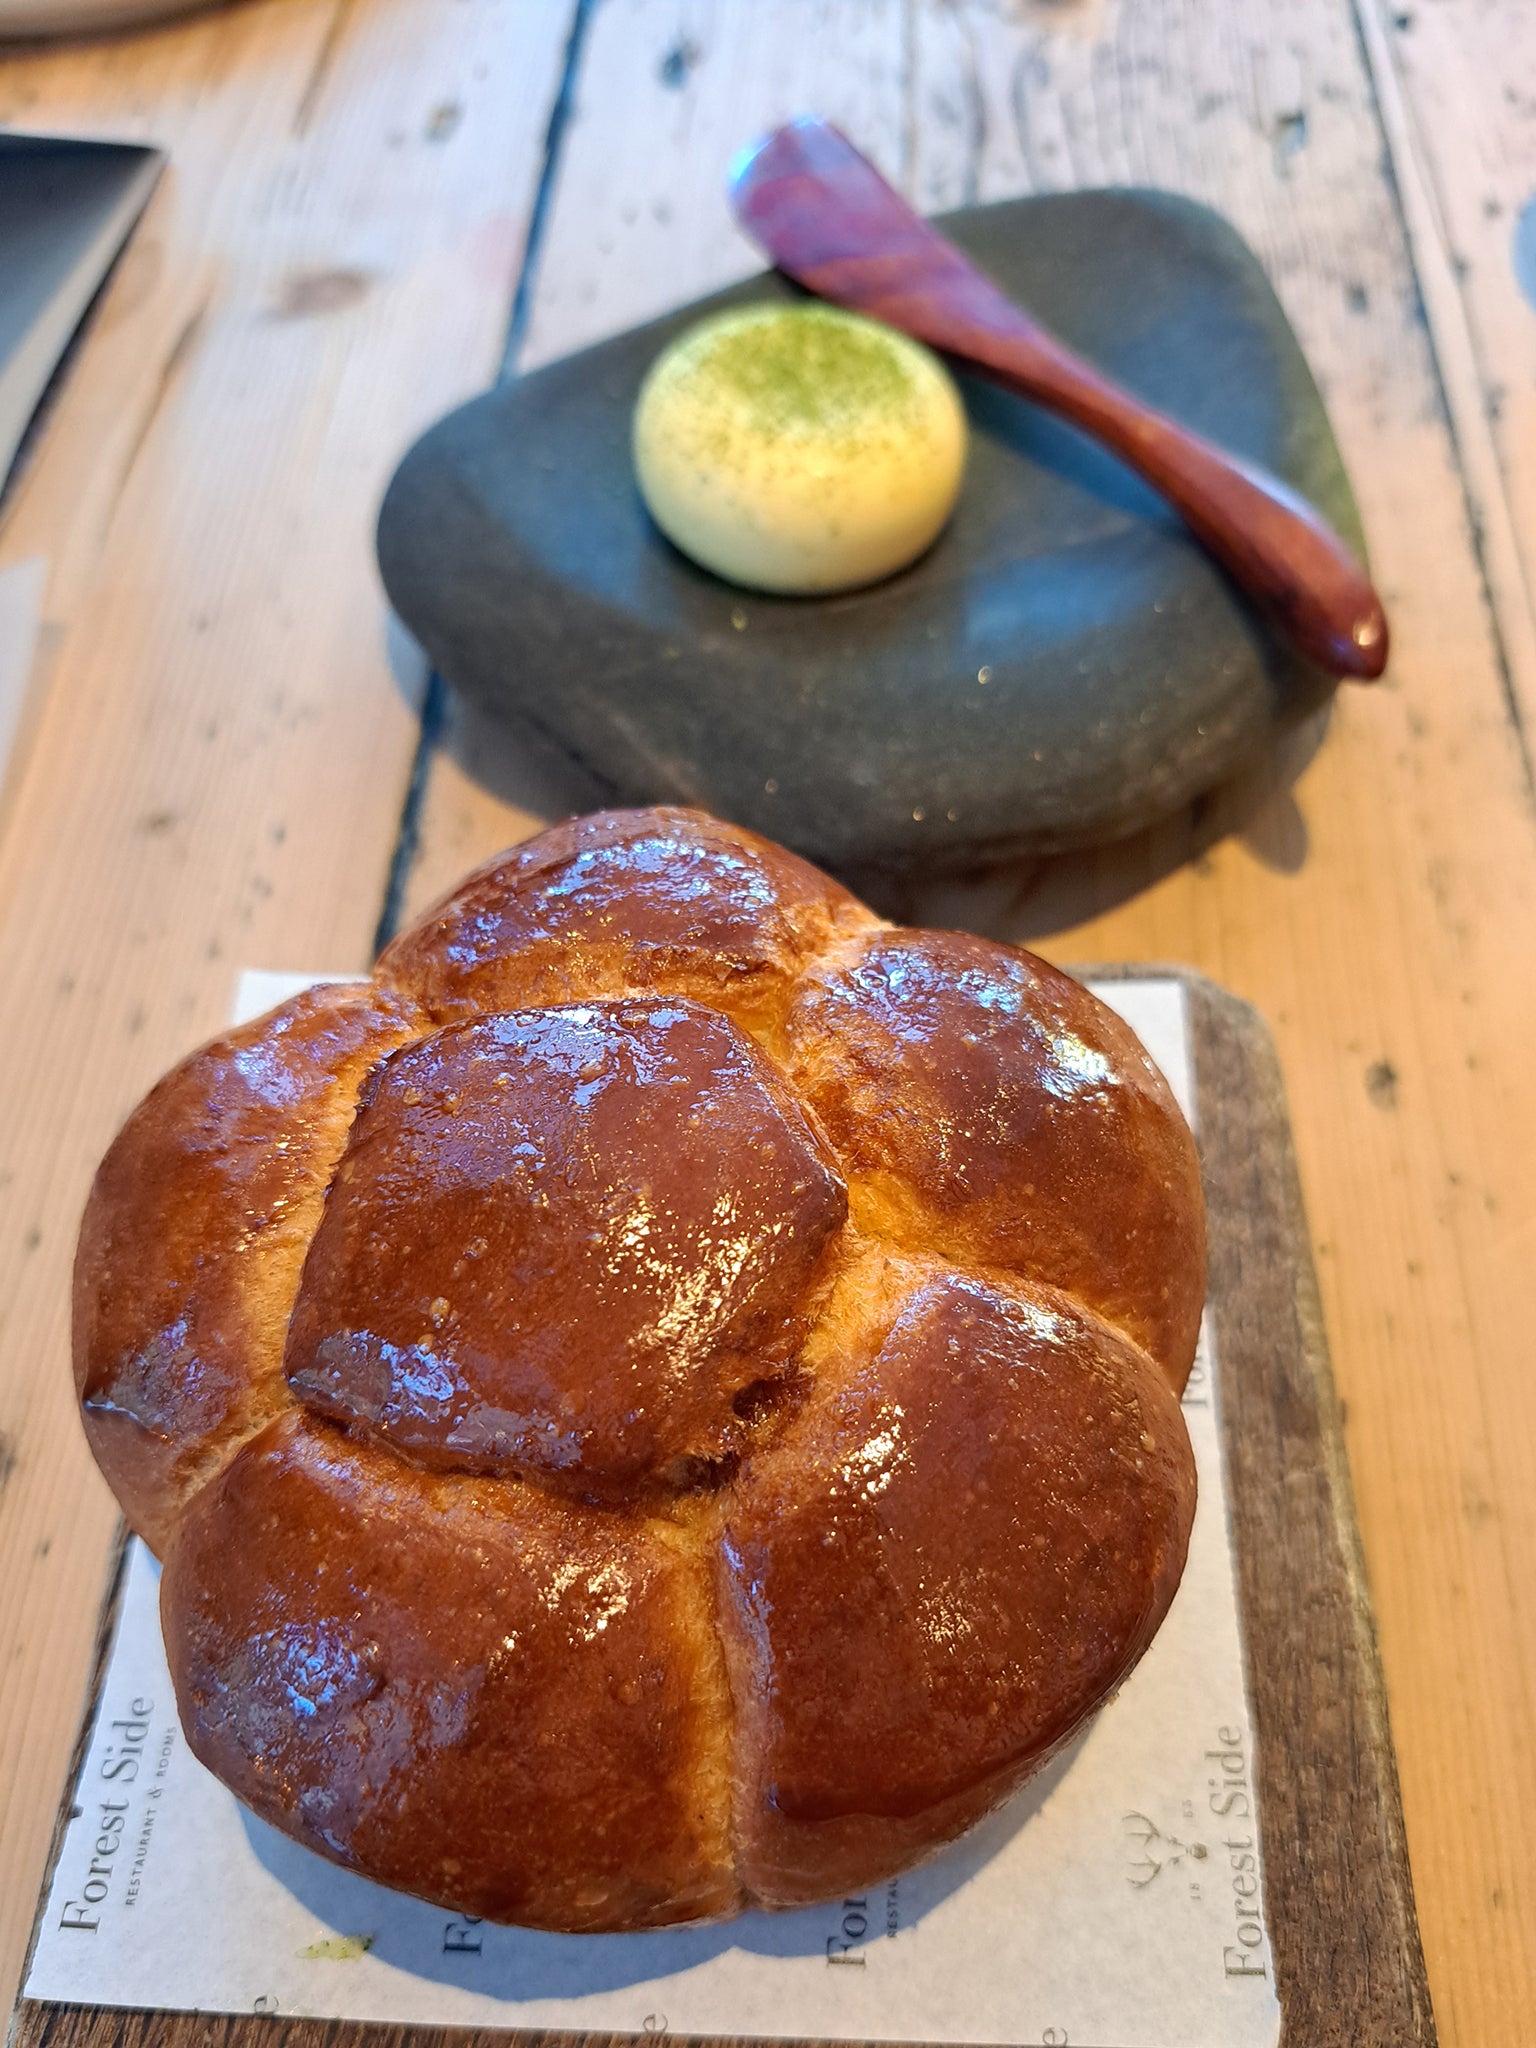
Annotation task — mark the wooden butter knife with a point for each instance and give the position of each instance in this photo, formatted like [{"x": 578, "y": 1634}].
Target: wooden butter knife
[{"x": 827, "y": 218}]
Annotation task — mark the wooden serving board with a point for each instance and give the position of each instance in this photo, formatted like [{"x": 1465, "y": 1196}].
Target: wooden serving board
[{"x": 1338, "y": 1894}]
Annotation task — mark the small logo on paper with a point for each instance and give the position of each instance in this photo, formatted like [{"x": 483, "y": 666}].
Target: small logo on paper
[{"x": 1152, "y": 1851}]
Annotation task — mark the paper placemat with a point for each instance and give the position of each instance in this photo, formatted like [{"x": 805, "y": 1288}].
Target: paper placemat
[{"x": 1116, "y": 1903}]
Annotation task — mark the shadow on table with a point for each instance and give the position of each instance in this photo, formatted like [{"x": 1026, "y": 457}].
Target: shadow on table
[
  {"x": 1018, "y": 900},
  {"x": 1028, "y": 899},
  {"x": 517, "y": 1963}
]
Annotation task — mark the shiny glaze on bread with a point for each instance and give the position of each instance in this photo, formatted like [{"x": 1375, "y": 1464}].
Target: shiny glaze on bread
[{"x": 665, "y": 1399}]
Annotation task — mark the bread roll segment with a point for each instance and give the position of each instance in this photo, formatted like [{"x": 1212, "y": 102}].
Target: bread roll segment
[
  {"x": 729, "y": 1436},
  {"x": 471, "y": 1690},
  {"x": 622, "y": 902},
  {"x": 487, "y": 1295},
  {"x": 990, "y": 1511},
  {"x": 990, "y": 1108},
  {"x": 195, "y": 1235}
]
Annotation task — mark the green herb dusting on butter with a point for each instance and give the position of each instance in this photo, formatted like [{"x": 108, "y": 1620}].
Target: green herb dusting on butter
[
  {"x": 807, "y": 370},
  {"x": 798, "y": 448}
]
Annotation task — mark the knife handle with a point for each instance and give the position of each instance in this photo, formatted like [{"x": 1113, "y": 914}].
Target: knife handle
[
  {"x": 827, "y": 218},
  {"x": 1266, "y": 536}
]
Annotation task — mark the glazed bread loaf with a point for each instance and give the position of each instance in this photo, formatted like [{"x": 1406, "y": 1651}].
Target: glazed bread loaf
[{"x": 664, "y": 1399}]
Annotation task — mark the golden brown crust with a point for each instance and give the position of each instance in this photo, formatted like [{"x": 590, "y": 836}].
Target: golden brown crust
[
  {"x": 623, "y": 902},
  {"x": 989, "y": 1108},
  {"x": 459, "y": 1686},
  {"x": 195, "y": 1234},
  {"x": 728, "y": 1436},
  {"x": 486, "y": 1294},
  {"x": 990, "y": 1511}
]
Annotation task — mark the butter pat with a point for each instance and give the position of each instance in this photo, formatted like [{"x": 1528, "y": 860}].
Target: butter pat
[{"x": 799, "y": 448}]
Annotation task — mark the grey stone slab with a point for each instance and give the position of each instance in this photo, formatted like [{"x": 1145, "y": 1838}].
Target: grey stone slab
[{"x": 1062, "y": 668}]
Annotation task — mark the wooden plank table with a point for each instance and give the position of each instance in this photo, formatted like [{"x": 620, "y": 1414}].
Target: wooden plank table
[{"x": 225, "y": 731}]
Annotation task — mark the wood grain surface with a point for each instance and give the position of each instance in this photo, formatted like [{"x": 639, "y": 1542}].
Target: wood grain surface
[
  {"x": 1380, "y": 914},
  {"x": 216, "y": 772},
  {"x": 222, "y": 745},
  {"x": 1457, "y": 91},
  {"x": 1339, "y": 1899}
]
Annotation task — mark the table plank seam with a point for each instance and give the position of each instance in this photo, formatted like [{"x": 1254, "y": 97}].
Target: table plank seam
[
  {"x": 434, "y": 707},
  {"x": 1507, "y": 598}
]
